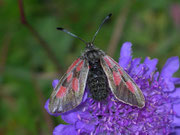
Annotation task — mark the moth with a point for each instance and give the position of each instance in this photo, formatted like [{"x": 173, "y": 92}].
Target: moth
[{"x": 100, "y": 73}]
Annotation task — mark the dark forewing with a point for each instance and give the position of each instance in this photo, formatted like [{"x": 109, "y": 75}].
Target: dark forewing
[
  {"x": 70, "y": 90},
  {"x": 122, "y": 85}
]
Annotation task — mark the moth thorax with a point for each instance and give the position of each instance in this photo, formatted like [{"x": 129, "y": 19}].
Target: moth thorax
[
  {"x": 93, "y": 55},
  {"x": 97, "y": 82}
]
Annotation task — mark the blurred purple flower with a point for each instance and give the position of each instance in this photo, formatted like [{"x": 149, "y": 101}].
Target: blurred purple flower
[
  {"x": 175, "y": 13},
  {"x": 111, "y": 117}
]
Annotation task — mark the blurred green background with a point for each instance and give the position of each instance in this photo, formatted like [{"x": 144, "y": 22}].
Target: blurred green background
[{"x": 33, "y": 53}]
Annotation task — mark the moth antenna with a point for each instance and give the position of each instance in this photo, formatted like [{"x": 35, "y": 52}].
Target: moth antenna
[
  {"x": 107, "y": 18},
  {"x": 71, "y": 34}
]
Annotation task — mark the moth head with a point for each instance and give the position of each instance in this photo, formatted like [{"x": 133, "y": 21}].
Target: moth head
[{"x": 90, "y": 46}]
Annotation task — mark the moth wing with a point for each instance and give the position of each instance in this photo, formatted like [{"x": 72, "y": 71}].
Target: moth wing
[
  {"x": 121, "y": 84},
  {"x": 70, "y": 90}
]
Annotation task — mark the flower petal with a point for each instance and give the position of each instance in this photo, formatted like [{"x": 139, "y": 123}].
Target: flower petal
[
  {"x": 176, "y": 121},
  {"x": 176, "y": 80},
  {"x": 46, "y": 107},
  {"x": 176, "y": 131},
  {"x": 151, "y": 64},
  {"x": 135, "y": 62},
  {"x": 64, "y": 130},
  {"x": 176, "y": 93},
  {"x": 85, "y": 127},
  {"x": 54, "y": 83},
  {"x": 139, "y": 70},
  {"x": 177, "y": 109},
  {"x": 171, "y": 66},
  {"x": 72, "y": 115},
  {"x": 156, "y": 75},
  {"x": 125, "y": 55},
  {"x": 176, "y": 106}
]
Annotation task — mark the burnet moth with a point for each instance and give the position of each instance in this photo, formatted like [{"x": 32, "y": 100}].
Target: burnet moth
[{"x": 100, "y": 73}]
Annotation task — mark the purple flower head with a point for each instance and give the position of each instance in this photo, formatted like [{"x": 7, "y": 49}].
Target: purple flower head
[{"x": 112, "y": 117}]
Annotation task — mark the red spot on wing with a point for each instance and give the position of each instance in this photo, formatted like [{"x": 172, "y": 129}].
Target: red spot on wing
[
  {"x": 130, "y": 86},
  {"x": 61, "y": 92},
  {"x": 117, "y": 78},
  {"x": 121, "y": 72},
  {"x": 108, "y": 62},
  {"x": 72, "y": 66},
  {"x": 113, "y": 61},
  {"x": 75, "y": 84},
  {"x": 69, "y": 77},
  {"x": 78, "y": 68}
]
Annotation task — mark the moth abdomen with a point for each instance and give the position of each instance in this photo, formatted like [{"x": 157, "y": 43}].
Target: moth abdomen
[{"x": 97, "y": 82}]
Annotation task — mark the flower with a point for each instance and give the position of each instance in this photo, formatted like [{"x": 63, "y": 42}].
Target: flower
[{"x": 111, "y": 117}]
